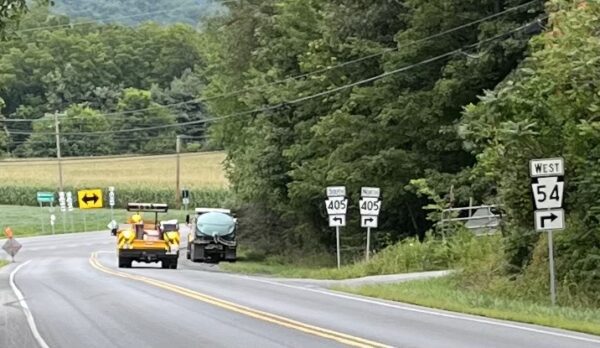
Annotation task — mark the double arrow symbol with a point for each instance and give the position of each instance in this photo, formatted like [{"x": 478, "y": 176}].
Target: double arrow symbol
[{"x": 87, "y": 199}]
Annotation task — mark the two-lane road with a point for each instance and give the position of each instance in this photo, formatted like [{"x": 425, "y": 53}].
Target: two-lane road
[{"x": 79, "y": 298}]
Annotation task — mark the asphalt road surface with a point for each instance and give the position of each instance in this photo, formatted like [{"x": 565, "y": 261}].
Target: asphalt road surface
[{"x": 77, "y": 297}]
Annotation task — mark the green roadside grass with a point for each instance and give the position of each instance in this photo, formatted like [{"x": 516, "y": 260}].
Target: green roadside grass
[
  {"x": 33, "y": 221},
  {"x": 3, "y": 263},
  {"x": 446, "y": 293}
]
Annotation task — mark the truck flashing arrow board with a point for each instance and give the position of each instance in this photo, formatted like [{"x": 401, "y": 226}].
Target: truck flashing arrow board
[
  {"x": 546, "y": 220},
  {"x": 90, "y": 199}
]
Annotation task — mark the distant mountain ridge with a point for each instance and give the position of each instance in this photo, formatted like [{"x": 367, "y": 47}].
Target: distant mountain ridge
[{"x": 132, "y": 12}]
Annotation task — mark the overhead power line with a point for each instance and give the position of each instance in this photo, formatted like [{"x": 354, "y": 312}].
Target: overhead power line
[
  {"x": 313, "y": 96},
  {"x": 304, "y": 75}
]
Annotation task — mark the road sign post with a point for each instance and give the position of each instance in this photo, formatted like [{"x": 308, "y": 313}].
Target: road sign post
[
  {"x": 370, "y": 206},
  {"x": 111, "y": 201},
  {"x": 185, "y": 198},
  {"x": 548, "y": 187},
  {"x": 337, "y": 205},
  {"x": 69, "y": 198}
]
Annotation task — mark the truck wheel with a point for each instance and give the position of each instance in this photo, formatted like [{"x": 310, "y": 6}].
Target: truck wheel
[
  {"x": 124, "y": 262},
  {"x": 188, "y": 255},
  {"x": 165, "y": 264},
  {"x": 193, "y": 254},
  {"x": 174, "y": 265}
]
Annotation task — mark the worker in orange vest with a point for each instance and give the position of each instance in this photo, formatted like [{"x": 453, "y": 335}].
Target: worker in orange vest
[{"x": 8, "y": 233}]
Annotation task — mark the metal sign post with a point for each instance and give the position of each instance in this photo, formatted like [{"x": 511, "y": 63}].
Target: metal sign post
[
  {"x": 70, "y": 208},
  {"x": 185, "y": 198},
  {"x": 336, "y": 205},
  {"x": 111, "y": 201},
  {"x": 62, "y": 201},
  {"x": 548, "y": 183},
  {"x": 370, "y": 206}
]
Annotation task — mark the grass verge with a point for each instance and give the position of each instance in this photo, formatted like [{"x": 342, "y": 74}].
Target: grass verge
[
  {"x": 3, "y": 263},
  {"x": 28, "y": 221},
  {"x": 446, "y": 293}
]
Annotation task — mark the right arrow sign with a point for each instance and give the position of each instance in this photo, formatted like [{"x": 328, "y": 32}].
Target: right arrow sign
[
  {"x": 546, "y": 220},
  {"x": 368, "y": 221}
]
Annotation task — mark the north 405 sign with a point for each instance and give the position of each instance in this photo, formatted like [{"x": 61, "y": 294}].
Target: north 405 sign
[
  {"x": 548, "y": 192},
  {"x": 369, "y": 206}
]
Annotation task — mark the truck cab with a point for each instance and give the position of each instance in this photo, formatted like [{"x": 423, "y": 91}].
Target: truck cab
[{"x": 212, "y": 236}]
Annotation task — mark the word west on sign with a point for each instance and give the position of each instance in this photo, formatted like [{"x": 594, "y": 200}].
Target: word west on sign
[
  {"x": 547, "y": 167},
  {"x": 90, "y": 199}
]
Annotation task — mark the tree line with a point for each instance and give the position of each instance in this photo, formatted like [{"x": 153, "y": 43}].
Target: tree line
[{"x": 99, "y": 78}]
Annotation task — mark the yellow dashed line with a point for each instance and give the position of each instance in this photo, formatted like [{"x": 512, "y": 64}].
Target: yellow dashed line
[{"x": 254, "y": 313}]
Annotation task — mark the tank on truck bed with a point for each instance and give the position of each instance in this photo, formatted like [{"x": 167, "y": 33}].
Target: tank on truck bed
[
  {"x": 144, "y": 241},
  {"x": 213, "y": 236}
]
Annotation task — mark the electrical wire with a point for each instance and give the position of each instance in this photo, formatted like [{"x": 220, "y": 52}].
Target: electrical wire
[
  {"x": 303, "y": 99},
  {"x": 297, "y": 77}
]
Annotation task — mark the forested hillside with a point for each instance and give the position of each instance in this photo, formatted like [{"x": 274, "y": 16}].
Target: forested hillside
[
  {"x": 100, "y": 78},
  {"x": 380, "y": 90},
  {"x": 132, "y": 12}
]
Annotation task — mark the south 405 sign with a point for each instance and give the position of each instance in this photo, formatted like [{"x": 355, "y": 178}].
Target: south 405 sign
[
  {"x": 548, "y": 192},
  {"x": 336, "y": 205}
]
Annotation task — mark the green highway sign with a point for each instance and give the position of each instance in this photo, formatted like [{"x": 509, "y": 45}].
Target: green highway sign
[{"x": 45, "y": 197}]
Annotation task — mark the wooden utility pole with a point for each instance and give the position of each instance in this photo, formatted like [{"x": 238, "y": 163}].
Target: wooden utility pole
[
  {"x": 177, "y": 189},
  {"x": 58, "y": 156}
]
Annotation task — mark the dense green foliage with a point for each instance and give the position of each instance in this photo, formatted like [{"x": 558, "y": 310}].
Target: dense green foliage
[
  {"x": 548, "y": 107},
  {"x": 91, "y": 72},
  {"x": 384, "y": 133},
  {"x": 133, "y": 12}
]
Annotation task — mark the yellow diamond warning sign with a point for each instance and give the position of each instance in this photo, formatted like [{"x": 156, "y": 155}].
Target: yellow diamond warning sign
[{"x": 90, "y": 199}]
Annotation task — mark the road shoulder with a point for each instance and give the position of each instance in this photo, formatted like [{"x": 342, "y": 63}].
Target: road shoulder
[{"x": 14, "y": 330}]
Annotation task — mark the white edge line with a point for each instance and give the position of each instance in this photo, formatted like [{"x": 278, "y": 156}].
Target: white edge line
[
  {"x": 36, "y": 334},
  {"x": 425, "y": 311}
]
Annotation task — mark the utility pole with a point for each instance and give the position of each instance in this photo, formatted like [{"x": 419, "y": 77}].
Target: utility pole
[
  {"x": 58, "y": 156},
  {"x": 177, "y": 189}
]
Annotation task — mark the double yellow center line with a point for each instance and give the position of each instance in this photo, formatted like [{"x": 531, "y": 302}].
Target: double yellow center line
[{"x": 251, "y": 312}]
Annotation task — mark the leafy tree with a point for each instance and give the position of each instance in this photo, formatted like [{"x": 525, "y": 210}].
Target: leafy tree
[
  {"x": 548, "y": 108},
  {"x": 142, "y": 112},
  {"x": 384, "y": 133}
]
